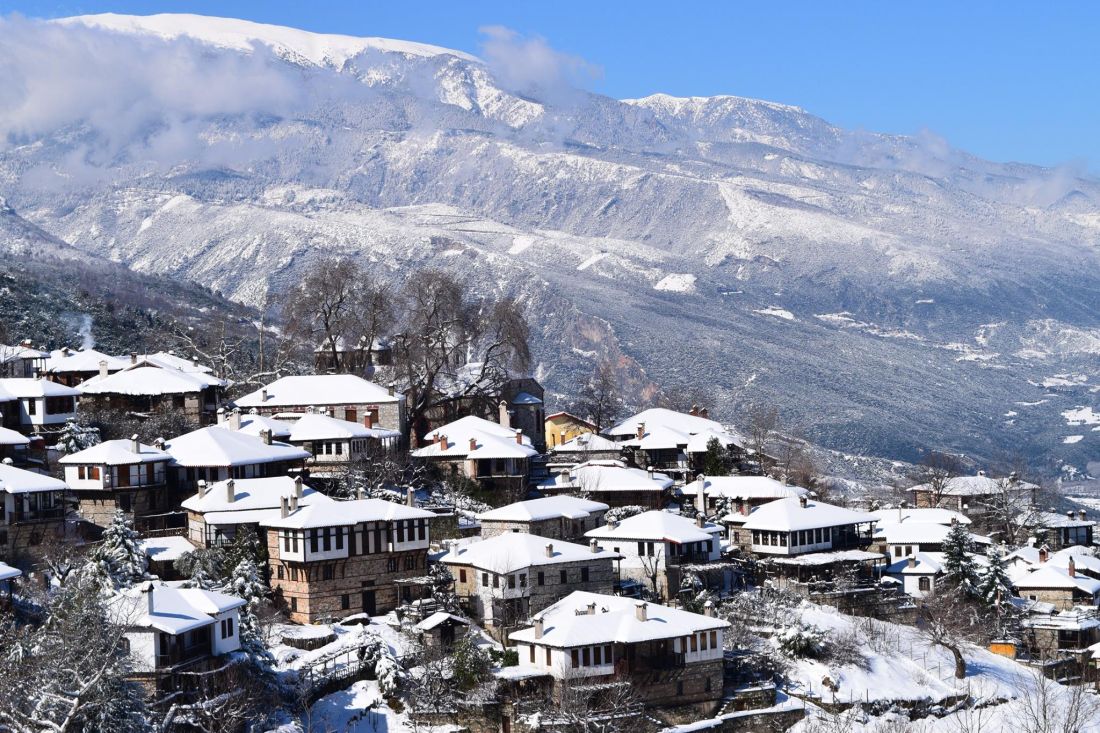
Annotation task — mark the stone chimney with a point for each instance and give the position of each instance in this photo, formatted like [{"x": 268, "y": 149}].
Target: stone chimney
[
  {"x": 283, "y": 508},
  {"x": 704, "y": 413},
  {"x": 293, "y": 503},
  {"x": 549, "y": 549},
  {"x": 442, "y": 440},
  {"x": 700, "y": 521},
  {"x": 911, "y": 561},
  {"x": 102, "y": 367},
  {"x": 613, "y": 523},
  {"x": 135, "y": 444},
  {"x": 368, "y": 420},
  {"x": 298, "y": 486},
  {"x": 802, "y": 501},
  {"x": 1043, "y": 554},
  {"x": 1072, "y": 567},
  {"x": 519, "y": 437},
  {"x": 147, "y": 591},
  {"x": 473, "y": 444},
  {"x": 265, "y": 435},
  {"x": 263, "y": 394},
  {"x": 202, "y": 488},
  {"x": 410, "y": 497},
  {"x": 593, "y": 546},
  {"x": 708, "y": 609},
  {"x": 694, "y": 410},
  {"x": 392, "y": 388},
  {"x": 1081, "y": 515},
  {"x": 230, "y": 490},
  {"x": 640, "y": 611},
  {"x": 592, "y": 608},
  {"x": 235, "y": 419},
  {"x": 538, "y": 627},
  {"x": 502, "y": 414},
  {"x": 133, "y": 357},
  {"x": 641, "y": 430}
]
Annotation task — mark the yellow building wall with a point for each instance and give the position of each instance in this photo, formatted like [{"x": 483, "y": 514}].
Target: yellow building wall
[{"x": 571, "y": 425}]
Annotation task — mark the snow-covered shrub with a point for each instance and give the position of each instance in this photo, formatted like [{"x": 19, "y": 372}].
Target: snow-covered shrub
[
  {"x": 118, "y": 561},
  {"x": 75, "y": 437},
  {"x": 845, "y": 649},
  {"x": 620, "y": 513},
  {"x": 802, "y": 642},
  {"x": 380, "y": 662}
]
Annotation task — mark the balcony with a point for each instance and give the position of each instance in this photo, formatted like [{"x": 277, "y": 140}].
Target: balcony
[
  {"x": 36, "y": 515},
  {"x": 177, "y": 657}
]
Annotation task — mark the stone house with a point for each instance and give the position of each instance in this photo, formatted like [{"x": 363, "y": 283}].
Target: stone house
[
  {"x": 218, "y": 511},
  {"x": 334, "y": 444},
  {"x": 216, "y": 453},
  {"x": 32, "y": 506},
  {"x": 975, "y": 495},
  {"x": 14, "y": 446},
  {"x": 123, "y": 475},
  {"x": 611, "y": 482},
  {"x": 658, "y": 546},
  {"x": 1057, "y": 531},
  {"x": 344, "y": 396},
  {"x": 740, "y": 494},
  {"x": 146, "y": 387},
  {"x": 22, "y": 361},
  {"x": 673, "y": 442},
  {"x": 557, "y": 518},
  {"x": 1062, "y": 634},
  {"x": 169, "y": 631},
  {"x": 70, "y": 367},
  {"x": 1063, "y": 587},
  {"x": 495, "y": 456},
  {"x": 503, "y": 580},
  {"x": 672, "y": 658},
  {"x": 333, "y": 559}
]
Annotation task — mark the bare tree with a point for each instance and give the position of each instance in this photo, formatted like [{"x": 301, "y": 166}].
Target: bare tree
[
  {"x": 935, "y": 472},
  {"x": 1048, "y": 707},
  {"x": 763, "y": 426},
  {"x": 599, "y": 400},
  {"x": 582, "y": 705},
  {"x": 951, "y": 618}
]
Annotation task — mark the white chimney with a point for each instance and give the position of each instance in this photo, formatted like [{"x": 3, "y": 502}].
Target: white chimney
[
  {"x": 708, "y": 609},
  {"x": 133, "y": 357},
  {"x": 135, "y": 445},
  {"x": 359, "y": 492},
  {"x": 263, "y": 395},
  {"x": 283, "y": 510},
  {"x": 293, "y": 503},
  {"x": 221, "y": 415},
  {"x": 103, "y": 368},
  {"x": 230, "y": 491},
  {"x": 298, "y": 486},
  {"x": 410, "y": 497},
  {"x": 593, "y": 546},
  {"x": 503, "y": 417},
  {"x": 640, "y": 611},
  {"x": 147, "y": 591},
  {"x": 235, "y": 419},
  {"x": 592, "y": 608},
  {"x": 701, "y": 495},
  {"x": 550, "y": 549},
  {"x": 538, "y": 627},
  {"x": 202, "y": 488},
  {"x": 612, "y": 523}
]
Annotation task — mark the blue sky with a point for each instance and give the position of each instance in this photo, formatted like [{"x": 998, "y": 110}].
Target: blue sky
[{"x": 1006, "y": 80}]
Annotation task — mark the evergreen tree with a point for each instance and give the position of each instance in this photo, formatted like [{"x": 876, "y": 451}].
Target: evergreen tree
[
  {"x": 994, "y": 586},
  {"x": 958, "y": 564},
  {"x": 204, "y": 568},
  {"x": 118, "y": 562},
  {"x": 245, "y": 582},
  {"x": 245, "y": 546},
  {"x": 75, "y": 437},
  {"x": 716, "y": 461}
]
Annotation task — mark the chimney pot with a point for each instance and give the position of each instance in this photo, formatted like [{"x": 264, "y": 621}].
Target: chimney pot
[
  {"x": 147, "y": 590},
  {"x": 912, "y": 561},
  {"x": 283, "y": 508},
  {"x": 550, "y": 549},
  {"x": 700, "y": 521},
  {"x": 293, "y": 503},
  {"x": 1043, "y": 554},
  {"x": 802, "y": 501},
  {"x": 592, "y": 609},
  {"x": 1081, "y": 514},
  {"x": 1072, "y": 567},
  {"x": 392, "y": 389},
  {"x": 694, "y": 410},
  {"x": 202, "y": 488},
  {"x": 538, "y": 627},
  {"x": 442, "y": 441},
  {"x": 410, "y": 497},
  {"x": 708, "y": 609},
  {"x": 135, "y": 445},
  {"x": 473, "y": 444},
  {"x": 704, "y": 413},
  {"x": 235, "y": 419},
  {"x": 230, "y": 490},
  {"x": 133, "y": 357},
  {"x": 265, "y": 435},
  {"x": 359, "y": 492},
  {"x": 263, "y": 394},
  {"x": 641, "y": 430},
  {"x": 503, "y": 417},
  {"x": 640, "y": 611},
  {"x": 519, "y": 436},
  {"x": 298, "y": 486},
  {"x": 613, "y": 523},
  {"x": 102, "y": 367},
  {"x": 593, "y": 545}
]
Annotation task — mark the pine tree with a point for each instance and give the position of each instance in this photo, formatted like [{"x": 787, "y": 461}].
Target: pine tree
[
  {"x": 958, "y": 565},
  {"x": 994, "y": 586},
  {"x": 118, "y": 562},
  {"x": 74, "y": 437},
  {"x": 245, "y": 582},
  {"x": 716, "y": 461},
  {"x": 204, "y": 568},
  {"x": 245, "y": 545}
]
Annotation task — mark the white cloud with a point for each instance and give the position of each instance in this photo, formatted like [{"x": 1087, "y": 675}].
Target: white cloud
[{"x": 531, "y": 67}]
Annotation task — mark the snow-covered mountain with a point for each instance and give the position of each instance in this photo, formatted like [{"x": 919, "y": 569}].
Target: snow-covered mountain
[{"x": 889, "y": 293}]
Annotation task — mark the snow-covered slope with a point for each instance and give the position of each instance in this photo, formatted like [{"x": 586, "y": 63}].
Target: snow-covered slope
[{"x": 889, "y": 293}]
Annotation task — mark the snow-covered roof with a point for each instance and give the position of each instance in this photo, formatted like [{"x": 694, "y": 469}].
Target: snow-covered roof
[
  {"x": 980, "y": 485},
  {"x": 607, "y": 476},
  {"x": 346, "y": 514},
  {"x": 10, "y": 437},
  {"x": 587, "y": 442},
  {"x": 438, "y": 618},
  {"x": 166, "y": 549},
  {"x": 254, "y": 424},
  {"x": 657, "y": 525},
  {"x": 219, "y": 446},
  {"x": 169, "y": 360},
  {"x": 19, "y": 481},
  {"x": 23, "y": 387},
  {"x": 511, "y": 551},
  {"x": 116, "y": 453},
  {"x": 174, "y": 610},
  {"x": 7, "y": 572},
  {"x": 319, "y": 389},
  {"x": 919, "y": 516},
  {"x": 146, "y": 380},
  {"x": 1048, "y": 576},
  {"x": 1054, "y": 520},
  {"x": 1075, "y": 619},
  {"x": 919, "y": 533},
  {"x": 249, "y": 494},
  {"x": 491, "y": 440},
  {"x": 526, "y": 398},
  {"x": 551, "y": 507},
  {"x": 788, "y": 515},
  {"x": 315, "y": 426},
  {"x": 20, "y": 351},
  {"x": 661, "y": 417},
  {"x": 828, "y": 558},
  {"x": 743, "y": 488},
  {"x": 927, "y": 563},
  {"x": 567, "y": 623},
  {"x": 85, "y": 360},
  {"x": 1083, "y": 558}
]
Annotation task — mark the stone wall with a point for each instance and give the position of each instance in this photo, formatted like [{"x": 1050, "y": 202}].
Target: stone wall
[{"x": 556, "y": 528}]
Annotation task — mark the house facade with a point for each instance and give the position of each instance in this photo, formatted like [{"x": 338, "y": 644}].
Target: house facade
[
  {"x": 36, "y": 406},
  {"x": 562, "y": 427},
  {"x": 334, "y": 559},
  {"x": 215, "y": 453},
  {"x": 495, "y": 456},
  {"x": 220, "y": 510},
  {"x": 612, "y": 483},
  {"x": 343, "y": 396},
  {"x": 673, "y": 442},
  {"x": 146, "y": 387},
  {"x": 32, "y": 507},
  {"x": 558, "y": 518},
  {"x": 123, "y": 475},
  {"x": 718, "y": 495},
  {"x": 503, "y": 580},
  {"x": 334, "y": 444},
  {"x": 22, "y": 361}
]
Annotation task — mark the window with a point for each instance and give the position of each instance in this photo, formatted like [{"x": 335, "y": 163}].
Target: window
[
  {"x": 694, "y": 643},
  {"x": 584, "y": 575},
  {"x": 339, "y": 538},
  {"x": 400, "y": 531},
  {"x": 326, "y": 572},
  {"x": 564, "y": 577},
  {"x": 279, "y": 572},
  {"x": 714, "y": 640},
  {"x": 313, "y": 544},
  {"x": 32, "y": 407},
  {"x": 391, "y": 564},
  {"x": 925, "y": 584},
  {"x": 541, "y": 578},
  {"x": 485, "y": 580},
  {"x": 511, "y": 581},
  {"x": 575, "y": 657},
  {"x": 327, "y": 539},
  {"x": 596, "y": 654},
  {"x": 294, "y": 604},
  {"x": 641, "y": 549},
  {"x": 345, "y": 602},
  {"x": 496, "y": 581},
  {"x": 532, "y": 658},
  {"x": 462, "y": 575},
  {"x": 586, "y": 656},
  {"x": 523, "y": 580},
  {"x": 80, "y": 472},
  {"x": 547, "y": 656},
  {"x": 227, "y": 628}
]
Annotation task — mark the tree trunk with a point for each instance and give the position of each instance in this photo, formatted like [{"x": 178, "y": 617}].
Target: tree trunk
[{"x": 960, "y": 663}]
